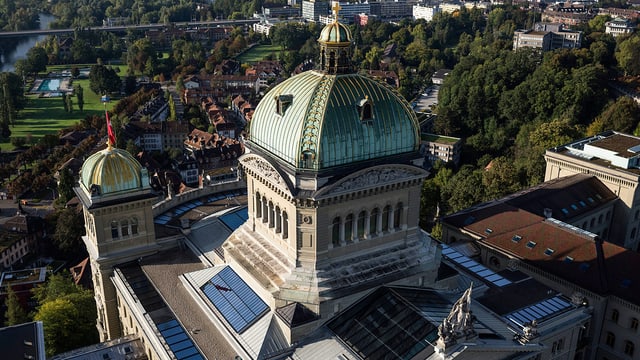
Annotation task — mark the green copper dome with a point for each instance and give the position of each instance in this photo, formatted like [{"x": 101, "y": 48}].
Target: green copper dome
[
  {"x": 111, "y": 171},
  {"x": 336, "y": 33},
  {"x": 316, "y": 120}
]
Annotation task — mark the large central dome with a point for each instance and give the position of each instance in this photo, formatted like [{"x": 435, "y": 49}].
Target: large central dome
[
  {"x": 332, "y": 117},
  {"x": 316, "y": 121}
]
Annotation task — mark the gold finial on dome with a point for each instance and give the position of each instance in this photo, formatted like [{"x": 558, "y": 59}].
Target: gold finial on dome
[{"x": 336, "y": 8}]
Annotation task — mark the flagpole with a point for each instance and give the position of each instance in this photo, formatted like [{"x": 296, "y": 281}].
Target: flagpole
[{"x": 111, "y": 138}]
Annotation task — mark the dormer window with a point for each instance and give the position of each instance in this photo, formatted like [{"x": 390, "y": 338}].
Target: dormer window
[
  {"x": 365, "y": 109},
  {"x": 282, "y": 103}
]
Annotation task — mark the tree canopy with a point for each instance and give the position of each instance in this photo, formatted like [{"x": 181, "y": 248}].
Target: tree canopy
[{"x": 68, "y": 313}]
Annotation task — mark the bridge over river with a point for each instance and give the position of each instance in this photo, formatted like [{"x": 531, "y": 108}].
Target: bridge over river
[{"x": 122, "y": 28}]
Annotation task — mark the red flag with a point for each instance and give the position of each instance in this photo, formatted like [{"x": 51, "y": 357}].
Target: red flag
[
  {"x": 112, "y": 136},
  {"x": 221, "y": 288}
]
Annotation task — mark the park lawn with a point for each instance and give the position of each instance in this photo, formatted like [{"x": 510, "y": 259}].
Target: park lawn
[
  {"x": 44, "y": 116},
  {"x": 259, "y": 52}
]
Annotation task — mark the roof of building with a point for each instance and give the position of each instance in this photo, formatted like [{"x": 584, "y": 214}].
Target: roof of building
[
  {"x": 323, "y": 119},
  {"x": 24, "y": 341},
  {"x": 610, "y": 149},
  {"x": 112, "y": 170},
  {"x": 518, "y": 226}
]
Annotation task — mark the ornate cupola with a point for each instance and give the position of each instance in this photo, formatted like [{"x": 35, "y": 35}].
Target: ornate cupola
[{"x": 335, "y": 46}]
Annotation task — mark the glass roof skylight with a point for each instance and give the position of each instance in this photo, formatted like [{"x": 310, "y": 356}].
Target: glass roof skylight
[
  {"x": 474, "y": 267},
  {"x": 539, "y": 311},
  {"x": 233, "y": 298},
  {"x": 178, "y": 341}
]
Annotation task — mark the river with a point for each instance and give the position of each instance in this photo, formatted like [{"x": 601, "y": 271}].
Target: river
[{"x": 8, "y": 59}]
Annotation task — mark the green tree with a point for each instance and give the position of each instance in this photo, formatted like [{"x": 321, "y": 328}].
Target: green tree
[
  {"x": 628, "y": 55},
  {"x": 103, "y": 80},
  {"x": 68, "y": 321},
  {"x": 12, "y": 100},
  {"x": 621, "y": 115},
  {"x": 65, "y": 185},
  {"x": 69, "y": 228},
  {"x": 80, "y": 96},
  {"x": 15, "y": 313},
  {"x": 37, "y": 59}
]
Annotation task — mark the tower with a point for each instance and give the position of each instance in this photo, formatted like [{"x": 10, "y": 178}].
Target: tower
[
  {"x": 116, "y": 200},
  {"x": 334, "y": 179}
]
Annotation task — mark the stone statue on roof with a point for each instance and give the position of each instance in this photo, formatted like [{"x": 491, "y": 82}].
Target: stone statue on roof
[{"x": 458, "y": 325}]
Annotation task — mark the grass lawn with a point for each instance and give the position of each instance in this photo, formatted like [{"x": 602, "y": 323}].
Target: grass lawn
[
  {"x": 259, "y": 52},
  {"x": 46, "y": 115}
]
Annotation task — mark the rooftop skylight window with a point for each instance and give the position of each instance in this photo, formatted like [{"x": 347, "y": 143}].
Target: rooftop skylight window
[
  {"x": 488, "y": 231},
  {"x": 365, "y": 109},
  {"x": 584, "y": 266},
  {"x": 568, "y": 259},
  {"x": 282, "y": 103},
  {"x": 598, "y": 197},
  {"x": 516, "y": 238},
  {"x": 582, "y": 203},
  {"x": 565, "y": 211},
  {"x": 549, "y": 252},
  {"x": 574, "y": 206},
  {"x": 591, "y": 199},
  {"x": 531, "y": 244}
]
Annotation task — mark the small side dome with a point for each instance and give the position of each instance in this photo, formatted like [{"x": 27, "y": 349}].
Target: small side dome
[
  {"x": 335, "y": 33},
  {"x": 111, "y": 171}
]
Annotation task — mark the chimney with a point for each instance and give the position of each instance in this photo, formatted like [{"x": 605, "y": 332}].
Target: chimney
[
  {"x": 548, "y": 213},
  {"x": 600, "y": 261}
]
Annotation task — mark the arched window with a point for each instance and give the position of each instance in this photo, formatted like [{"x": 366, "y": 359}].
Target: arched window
[
  {"x": 634, "y": 324},
  {"x": 629, "y": 347},
  {"x": 124, "y": 227},
  {"x": 114, "y": 229},
  {"x": 265, "y": 210},
  {"x": 385, "y": 218},
  {"x": 373, "y": 221},
  {"x": 285, "y": 225},
  {"x": 610, "y": 340},
  {"x": 134, "y": 225},
  {"x": 335, "y": 231},
  {"x": 348, "y": 227},
  {"x": 633, "y": 233},
  {"x": 615, "y": 315},
  {"x": 258, "y": 205},
  {"x": 600, "y": 218},
  {"x": 361, "y": 217},
  {"x": 278, "y": 220},
  {"x": 271, "y": 215},
  {"x": 397, "y": 216},
  {"x": 593, "y": 222}
]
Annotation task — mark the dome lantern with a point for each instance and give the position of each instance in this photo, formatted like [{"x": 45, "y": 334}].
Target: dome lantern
[{"x": 335, "y": 46}]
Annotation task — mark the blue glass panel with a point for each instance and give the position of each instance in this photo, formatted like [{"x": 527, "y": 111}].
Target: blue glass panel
[
  {"x": 167, "y": 325},
  {"x": 186, "y": 352},
  {"x": 181, "y": 345},
  {"x": 171, "y": 331},
  {"x": 180, "y": 337},
  {"x": 232, "y": 297},
  {"x": 502, "y": 282}
]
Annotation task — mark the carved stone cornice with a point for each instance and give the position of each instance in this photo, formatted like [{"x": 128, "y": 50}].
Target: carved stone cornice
[
  {"x": 267, "y": 172},
  {"x": 374, "y": 177}
]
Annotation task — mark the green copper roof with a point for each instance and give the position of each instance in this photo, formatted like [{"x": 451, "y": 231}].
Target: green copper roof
[
  {"x": 317, "y": 121},
  {"x": 335, "y": 32},
  {"x": 113, "y": 170}
]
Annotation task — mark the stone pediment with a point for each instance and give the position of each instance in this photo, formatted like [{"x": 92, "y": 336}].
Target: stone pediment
[
  {"x": 264, "y": 169},
  {"x": 372, "y": 177}
]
